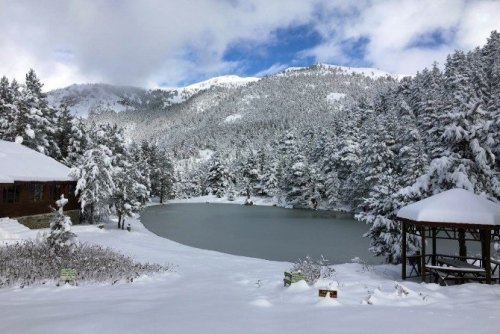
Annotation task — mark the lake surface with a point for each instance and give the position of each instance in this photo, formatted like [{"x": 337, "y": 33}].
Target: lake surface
[{"x": 270, "y": 233}]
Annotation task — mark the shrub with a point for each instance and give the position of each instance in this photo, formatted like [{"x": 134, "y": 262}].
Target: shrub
[
  {"x": 314, "y": 269},
  {"x": 31, "y": 262}
]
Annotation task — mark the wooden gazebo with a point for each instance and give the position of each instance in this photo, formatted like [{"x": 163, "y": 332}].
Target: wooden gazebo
[{"x": 456, "y": 214}]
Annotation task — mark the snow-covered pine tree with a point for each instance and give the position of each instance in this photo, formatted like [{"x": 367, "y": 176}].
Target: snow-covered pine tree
[
  {"x": 60, "y": 237},
  {"x": 161, "y": 170},
  {"x": 6, "y": 109},
  {"x": 95, "y": 187},
  {"x": 250, "y": 176},
  {"x": 64, "y": 135},
  {"x": 129, "y": 195},
  {"x": 271, "y": 174},
  {"x": 218, "y": 178},
  {"x": 298, "y": 189},
  {"x": 33, "y": 120}
]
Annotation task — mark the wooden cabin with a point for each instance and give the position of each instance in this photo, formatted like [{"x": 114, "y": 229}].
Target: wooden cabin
[{"x": 30, "y": 183}]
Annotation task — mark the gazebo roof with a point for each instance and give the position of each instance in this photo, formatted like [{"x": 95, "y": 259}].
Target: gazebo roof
[{"x": 454, "y": 207}]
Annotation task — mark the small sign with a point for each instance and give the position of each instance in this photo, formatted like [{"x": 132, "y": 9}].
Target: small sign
[{"x": 325, "y": 292}]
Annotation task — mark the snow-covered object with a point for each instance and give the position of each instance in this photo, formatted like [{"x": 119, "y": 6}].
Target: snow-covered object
[
  {"x": 457, "y": 206},
  {"x": 20, "y": 163}
]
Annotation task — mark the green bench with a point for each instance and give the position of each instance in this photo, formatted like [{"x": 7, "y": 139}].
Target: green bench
[
  {"x": 293, "y": 278},
  {"x": 68, "y": 276}
]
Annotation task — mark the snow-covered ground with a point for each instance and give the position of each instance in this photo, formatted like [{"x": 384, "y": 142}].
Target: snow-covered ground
[
  {"x": 212, "y": 292},
  {"x": 262, "y": 201}
]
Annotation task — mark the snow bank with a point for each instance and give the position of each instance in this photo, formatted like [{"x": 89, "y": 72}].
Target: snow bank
[
  {"x": 12, "y": 231},
  {"x": 261, "y": 201}
]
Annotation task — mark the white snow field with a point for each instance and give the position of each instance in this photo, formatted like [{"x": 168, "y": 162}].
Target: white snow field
[{"x": 212, "y": 292}]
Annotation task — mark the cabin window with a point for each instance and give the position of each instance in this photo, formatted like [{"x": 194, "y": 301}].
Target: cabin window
[
  {"x": 71, "y": 190},
  {"x": 11, "y": 194},
  {"x": 37, "y": 192},
  {"x": 56, "y": 191}
]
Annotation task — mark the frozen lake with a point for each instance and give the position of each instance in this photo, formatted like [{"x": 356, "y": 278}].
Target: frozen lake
[{"x": 262, "y": 232}]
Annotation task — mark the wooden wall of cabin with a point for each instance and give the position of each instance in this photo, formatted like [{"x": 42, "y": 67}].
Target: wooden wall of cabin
[{"x": 29, "y": 201}]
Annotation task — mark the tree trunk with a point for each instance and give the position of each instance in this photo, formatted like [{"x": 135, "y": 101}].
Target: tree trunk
[
  {"x": 123, "y": 223},
  {"x": 91, "y": 218},
  {"x": 119, "y": 219}
]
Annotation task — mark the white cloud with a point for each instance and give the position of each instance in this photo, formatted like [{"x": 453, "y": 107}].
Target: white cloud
[
  {"x": 155, "y": 42},
  {"x": 391, "y": 26},
  {"x": 275, "y": 68}
]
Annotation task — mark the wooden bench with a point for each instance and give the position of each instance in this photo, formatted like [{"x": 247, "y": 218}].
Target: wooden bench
[
  {"x": 293, "y": 277},
  {"x": 68, "y": 276},
  {"x": 326, "y": 292}
]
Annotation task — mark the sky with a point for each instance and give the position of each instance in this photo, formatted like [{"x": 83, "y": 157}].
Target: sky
[{"x": 172, "y": 43}]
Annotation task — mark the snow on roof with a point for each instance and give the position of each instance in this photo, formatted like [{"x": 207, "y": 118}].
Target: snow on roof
[
  {"x": 457, "y": 206},
  {"x": 20, "y": 163}
]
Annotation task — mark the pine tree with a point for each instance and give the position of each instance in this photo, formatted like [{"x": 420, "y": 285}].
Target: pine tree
[
  {"x": 129, "y": 195},
  {"x": 95, "y": 185},
  {"x": 218, "y": 177},
  {"x": 33, "y": 119},
  {"x": 60, "y": 237}
]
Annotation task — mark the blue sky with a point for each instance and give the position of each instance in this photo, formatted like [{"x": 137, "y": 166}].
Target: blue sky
[
  {"x": 284, "y": 48},
  {"x": 156, "y": 43}
]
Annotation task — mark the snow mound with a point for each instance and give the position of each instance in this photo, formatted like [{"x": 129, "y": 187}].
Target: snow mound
[
  {"x": 12, "y": 230},
  {"x": 401, "y": 296},
  {"x": 261, "y": 302}
]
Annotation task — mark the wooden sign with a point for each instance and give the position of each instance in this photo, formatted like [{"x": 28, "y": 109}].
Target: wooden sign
[{"x": 325, "y": 292}]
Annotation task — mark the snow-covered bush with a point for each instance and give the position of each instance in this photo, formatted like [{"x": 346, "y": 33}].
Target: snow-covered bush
[
  {"x": 313, "y": 269},
  {"x": 33, "y": 262}
]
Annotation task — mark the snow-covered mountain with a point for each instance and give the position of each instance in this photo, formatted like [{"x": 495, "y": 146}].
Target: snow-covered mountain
[
  {"x": 229, "y": 112},
  {"x": 86, "y": 99},
  {"x": 229, "y": 81}
]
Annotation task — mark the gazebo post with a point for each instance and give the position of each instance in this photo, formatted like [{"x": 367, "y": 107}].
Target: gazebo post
[
  {"x": 422, "y": 236},
  {"x": 462, "y": 248},
  {"x": 434, "y": 233},
  {"x": 485, "y": 252},
  {"x": 403, "y": 252}
]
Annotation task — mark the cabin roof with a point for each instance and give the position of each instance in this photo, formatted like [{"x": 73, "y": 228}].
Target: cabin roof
[
  {"x": 20, "y": 163},
  {"x": 455, "y": 206}
]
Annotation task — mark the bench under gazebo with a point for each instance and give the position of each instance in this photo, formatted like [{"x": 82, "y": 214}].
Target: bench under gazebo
[{"x": 459, "y": 215}]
